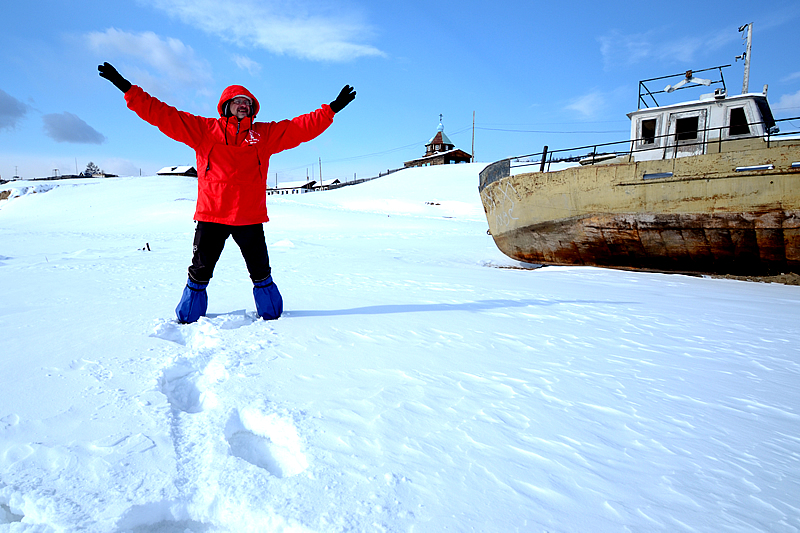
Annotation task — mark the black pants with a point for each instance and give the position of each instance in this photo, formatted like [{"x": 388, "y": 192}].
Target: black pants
[{"x": 209, "y": 240}]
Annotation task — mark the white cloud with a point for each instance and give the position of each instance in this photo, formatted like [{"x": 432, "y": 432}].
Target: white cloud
[
  {"x": 66, "y": 127},
  {"x": 617, "y": 48},
  {"x": 245, "y": 63},
  {"x": 277, "y": 26},
  {"x": 589, "y": 105},
  {"x": 621, "y": 50},
  {"x": 788, "y": 102},
  {"x": 174, "y": 61},
  {"x": 120, "y": 167}
]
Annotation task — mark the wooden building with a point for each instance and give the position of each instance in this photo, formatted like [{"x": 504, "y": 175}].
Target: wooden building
[
  {"x": 178, "y": 171},
  {"x": 302, "y": 187},
  {"x": 440, "y": 150},
  {"x": 292, "y": 187}
]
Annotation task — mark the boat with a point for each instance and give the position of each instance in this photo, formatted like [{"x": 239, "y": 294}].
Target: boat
[{"x": 706, "y": 186}]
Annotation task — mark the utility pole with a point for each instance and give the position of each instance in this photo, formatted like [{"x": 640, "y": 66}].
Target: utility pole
[
  {"x": 320, "y": 171},
  {"x": 473, "y": 136},
  {"x": 746, "y": 55}
]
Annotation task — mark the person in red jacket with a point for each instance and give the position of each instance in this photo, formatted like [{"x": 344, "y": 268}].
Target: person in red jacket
[{"x": 233, "y": 154}]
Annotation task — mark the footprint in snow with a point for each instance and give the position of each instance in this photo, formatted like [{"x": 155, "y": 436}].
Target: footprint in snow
[
  {"x": 9, "y": 421},
  {"x": 169, "y": 330},
  {"x": 198, "y": 336},
  {"x": 188, "y": 383},
  {"x": 178, "y": 384},
  {"x": 266, "y": 440},
  {"x": 187, "y": 380},
  {"x": 234, "y": 320},
  {"x": 202, "y": 333},
  {"x": 7, "y": 516}
]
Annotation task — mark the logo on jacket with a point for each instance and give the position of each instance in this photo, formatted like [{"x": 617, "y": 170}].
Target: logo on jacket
[{"x": 253, "y": 137}]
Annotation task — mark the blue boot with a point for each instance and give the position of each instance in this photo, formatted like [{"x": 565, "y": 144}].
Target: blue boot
[
  {"x": 194, "y": 302},
  {"x": 269, "y": 302}
]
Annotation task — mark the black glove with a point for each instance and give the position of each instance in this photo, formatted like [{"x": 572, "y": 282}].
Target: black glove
[
  {"x": 110, "y": 73},
  {"x": 346, "y": 96}
]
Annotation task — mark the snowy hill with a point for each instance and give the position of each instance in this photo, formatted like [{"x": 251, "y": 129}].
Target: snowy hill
[{"x": 412, "y": 385}]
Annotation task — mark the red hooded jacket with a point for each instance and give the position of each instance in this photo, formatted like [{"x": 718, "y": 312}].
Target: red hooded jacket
[{"x": 232, "y": 155}]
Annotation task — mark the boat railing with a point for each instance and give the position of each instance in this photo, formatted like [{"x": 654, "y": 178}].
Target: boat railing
[
  {"x": 645, "y": 92},
  {"x": 670, "y": 144}
]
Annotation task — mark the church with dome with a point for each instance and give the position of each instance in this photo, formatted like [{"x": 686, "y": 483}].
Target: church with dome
[{"x": 440, "y": 151}]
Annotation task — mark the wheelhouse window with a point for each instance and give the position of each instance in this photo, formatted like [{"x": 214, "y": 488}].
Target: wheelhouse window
[
  {"x": 766, "y": 117},
  {"x": 738, "y": 122},
  {"x": 649, "y": 131},
  {"x": 686, "y": 128}
]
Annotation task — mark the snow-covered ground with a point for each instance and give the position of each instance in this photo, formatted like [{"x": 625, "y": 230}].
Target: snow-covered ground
[{"x": 413, "y": 384}]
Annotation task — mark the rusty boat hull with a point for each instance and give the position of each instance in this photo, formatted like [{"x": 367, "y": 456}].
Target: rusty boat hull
[{"x": 735, "y": 212}]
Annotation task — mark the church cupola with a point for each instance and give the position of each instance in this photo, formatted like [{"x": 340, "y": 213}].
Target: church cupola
[
  {"x": 440, "y": 150},
  {"x": 440, "y": 142}
]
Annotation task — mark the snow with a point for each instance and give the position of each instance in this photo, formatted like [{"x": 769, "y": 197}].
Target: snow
[{"x": 418, "y": 380}]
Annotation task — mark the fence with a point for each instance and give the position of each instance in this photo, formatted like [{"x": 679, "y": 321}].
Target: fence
[{"x": 362, "y": 180}]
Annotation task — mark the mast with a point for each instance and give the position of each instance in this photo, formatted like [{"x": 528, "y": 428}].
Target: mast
[{"x": 746, "y": 54}]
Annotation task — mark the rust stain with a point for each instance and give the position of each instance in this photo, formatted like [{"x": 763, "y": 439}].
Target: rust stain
[{"x": 753, "y": 243}]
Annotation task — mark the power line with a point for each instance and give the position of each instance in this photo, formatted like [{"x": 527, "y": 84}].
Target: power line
[
  {"x": 462, "y": 130},
  {"x": 550, "y": 131},
  {"x": 353, "y": 158}
]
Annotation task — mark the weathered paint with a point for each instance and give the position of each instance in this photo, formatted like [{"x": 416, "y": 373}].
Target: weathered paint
[{"x": 705, "y": 217}]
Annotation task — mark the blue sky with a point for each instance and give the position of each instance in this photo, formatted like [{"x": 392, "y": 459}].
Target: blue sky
[{"x": 557, "y": 73}]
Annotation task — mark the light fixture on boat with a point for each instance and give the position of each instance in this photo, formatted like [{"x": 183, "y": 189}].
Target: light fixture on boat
[
  {"x": 688, "y": 79},
  {"x": 755, "y": 167}
]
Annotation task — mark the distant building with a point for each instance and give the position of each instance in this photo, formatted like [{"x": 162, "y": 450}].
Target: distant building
[
  {"x": 300, "y": 187},
  {"x": 87, "y": 174},
  {"x": 292, "y": 187},
  {"x": 324, "y": 185},
  {"x": 440, "y": 150},
  {"x": 178, "y": 171}
]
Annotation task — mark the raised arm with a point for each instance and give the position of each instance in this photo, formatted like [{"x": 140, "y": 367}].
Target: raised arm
[
  {"x": 287, "y": 134},
  {"x": 178, "y": 125}
]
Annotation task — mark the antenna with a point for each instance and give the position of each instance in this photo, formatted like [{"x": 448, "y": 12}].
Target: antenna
[{"x": 746, "y": 54}]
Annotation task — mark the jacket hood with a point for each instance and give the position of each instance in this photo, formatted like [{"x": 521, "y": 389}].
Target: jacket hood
[{"x": 232, "y": 92}]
